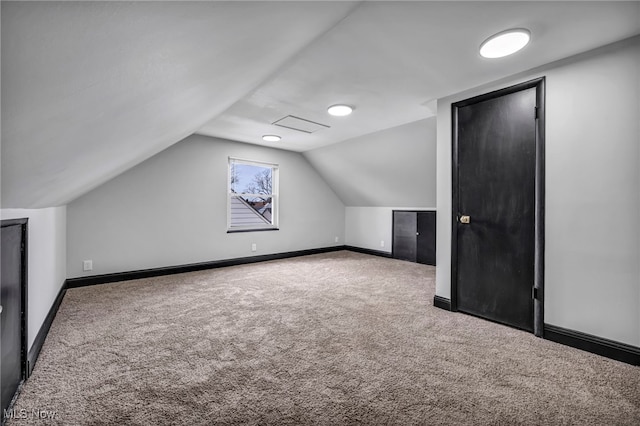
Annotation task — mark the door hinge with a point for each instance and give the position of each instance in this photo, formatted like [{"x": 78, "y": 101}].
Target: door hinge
[
  {"x": 534, "y": 293},
  {"x": 536, "y": 112}
]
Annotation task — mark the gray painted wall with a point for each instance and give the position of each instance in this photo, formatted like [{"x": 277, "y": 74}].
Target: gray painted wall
[
  {"x": 393, "y": 167},
  {"x": 46, "y": 261},
  {"x": 592, "y": 238},
  {"x": 171, "y": 210}
]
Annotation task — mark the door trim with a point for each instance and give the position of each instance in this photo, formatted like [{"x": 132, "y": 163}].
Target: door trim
[
  {"x": 539, "y": 85},
  {"x": 23, "y": 288}
]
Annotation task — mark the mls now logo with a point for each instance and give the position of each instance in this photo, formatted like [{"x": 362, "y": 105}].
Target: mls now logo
[{"x": 35, "y": 413}]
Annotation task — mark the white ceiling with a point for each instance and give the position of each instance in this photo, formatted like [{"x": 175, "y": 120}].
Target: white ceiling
[
  {"x": 90, "y": 89},
  {"x": 391, "y": 59}
]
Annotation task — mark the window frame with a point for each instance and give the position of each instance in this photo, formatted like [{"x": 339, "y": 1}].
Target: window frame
[{"x": 275, "y": 198}]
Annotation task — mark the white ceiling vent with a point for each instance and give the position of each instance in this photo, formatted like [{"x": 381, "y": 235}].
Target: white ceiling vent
[{"x": 300, "y": 124}]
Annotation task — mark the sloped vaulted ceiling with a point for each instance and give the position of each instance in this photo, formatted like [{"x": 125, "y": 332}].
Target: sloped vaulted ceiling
[
  {"x": 90, "y": 89},
  {"x": 392, "y": 58}
]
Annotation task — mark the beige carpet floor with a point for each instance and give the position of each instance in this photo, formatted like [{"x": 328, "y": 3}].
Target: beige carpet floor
[{"x": 330, "y": 339}]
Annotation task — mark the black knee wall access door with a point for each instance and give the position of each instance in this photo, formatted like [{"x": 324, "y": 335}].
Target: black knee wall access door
[
  {"x": 497, "y": 233},
  {"x": 414, "y": 236},
  {"x": 13, "y": 344}
]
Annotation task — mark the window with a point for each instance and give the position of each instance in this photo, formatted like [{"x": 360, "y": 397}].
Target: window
[{"x": 253, "y": 196}]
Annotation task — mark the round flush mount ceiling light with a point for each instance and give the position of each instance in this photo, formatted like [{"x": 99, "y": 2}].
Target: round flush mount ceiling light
[
  {"x": 271, "y": 138},
  {"x": 340, "y": 110},
  {"x": 505, "y": 43}
]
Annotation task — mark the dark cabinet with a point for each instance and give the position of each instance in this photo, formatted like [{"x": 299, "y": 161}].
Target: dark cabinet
[{"x": 414, "y": 236}]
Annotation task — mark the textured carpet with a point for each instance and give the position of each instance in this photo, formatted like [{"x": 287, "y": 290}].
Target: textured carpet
[{"x": 337, "y": 338}]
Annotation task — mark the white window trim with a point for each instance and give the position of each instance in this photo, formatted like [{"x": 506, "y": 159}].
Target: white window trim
[{"x": 275, "y": 198}]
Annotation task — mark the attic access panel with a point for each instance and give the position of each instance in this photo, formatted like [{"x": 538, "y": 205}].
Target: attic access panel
[{"x": 300, "y": 124}]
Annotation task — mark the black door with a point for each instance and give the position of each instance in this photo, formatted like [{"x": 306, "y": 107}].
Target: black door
[
  {"x": 405, "y": 228},
  {"x": 426, "y": 238},
  {"x": 12, "y": 299},
  {"x": 414, "y": 236},
  {"x": 497, "y": 167}
]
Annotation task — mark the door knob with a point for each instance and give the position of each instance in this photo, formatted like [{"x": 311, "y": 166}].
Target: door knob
[
  {"x": 0, "y": 309},
  {"x": 465, "y": 219}
]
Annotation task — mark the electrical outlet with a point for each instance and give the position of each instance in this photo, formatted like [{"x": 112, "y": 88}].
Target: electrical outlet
[
  {"x": 87, "y": 265},
  {"x": 254, "y": 247},
  {"x": 337, "y": 239},
  {"x": 381, "y": 243}
]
